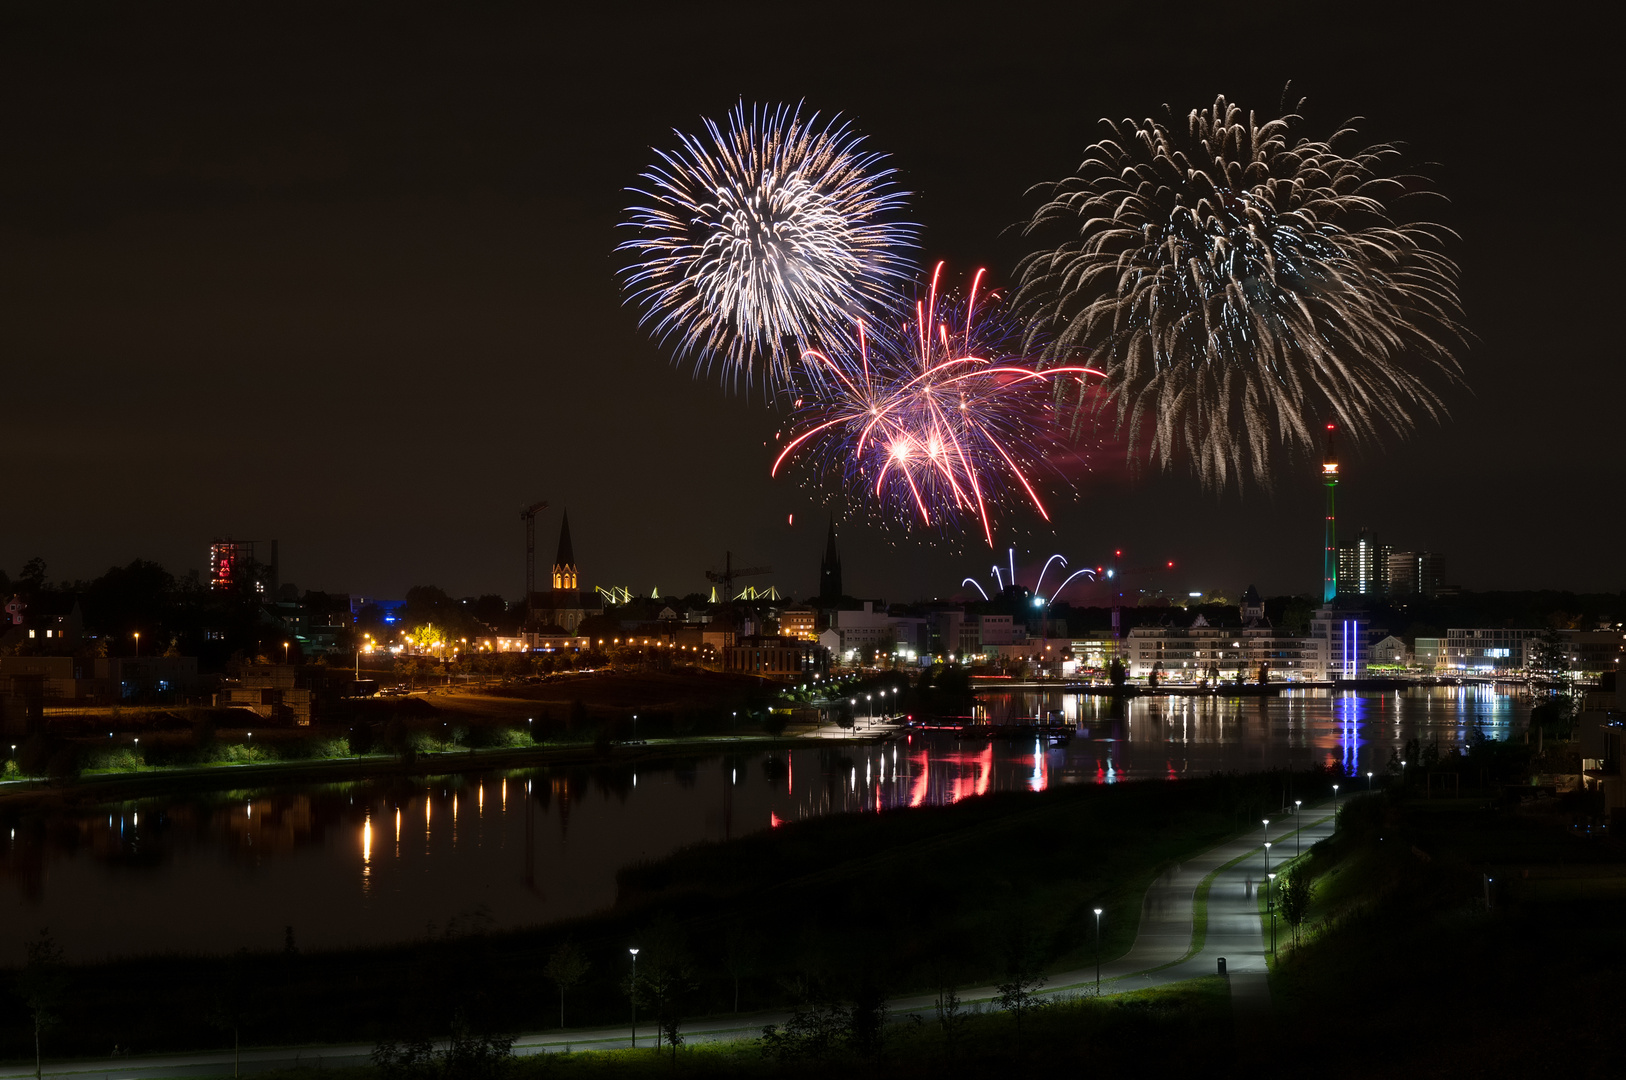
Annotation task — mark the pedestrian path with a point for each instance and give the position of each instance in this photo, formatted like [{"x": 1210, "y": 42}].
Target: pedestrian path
[{"x": 1166, "y": 950}]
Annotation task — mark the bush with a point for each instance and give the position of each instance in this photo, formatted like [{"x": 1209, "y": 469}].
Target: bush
[
  {"x": 332, "y": 748},
  {"x": 117, "y": 759}
]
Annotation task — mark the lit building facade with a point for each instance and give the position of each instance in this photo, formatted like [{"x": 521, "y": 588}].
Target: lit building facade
[
  {"x": 1417, "y": 573},
  {"x": 1363, "y": 567},
  {"x": 1191, "y": 654},
  {"x": 784, "y": 659},
  {"x": 799, "y": 623},
  {"x": 1486, "y": 651}
]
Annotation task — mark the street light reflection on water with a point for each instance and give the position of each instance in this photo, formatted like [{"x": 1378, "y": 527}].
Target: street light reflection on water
[{"x": 223, "y": 872}]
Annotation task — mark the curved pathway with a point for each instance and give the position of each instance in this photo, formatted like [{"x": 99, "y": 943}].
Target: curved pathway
[{"x": 1165, "y": 951}]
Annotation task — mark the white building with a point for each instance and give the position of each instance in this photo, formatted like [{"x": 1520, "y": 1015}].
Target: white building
[
  {"x": 1191, "y": 654},
  {"x": 1390, "y": 652}
]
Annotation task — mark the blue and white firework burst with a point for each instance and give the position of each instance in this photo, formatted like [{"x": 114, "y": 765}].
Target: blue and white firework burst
[{"x": 763, "y": 236}]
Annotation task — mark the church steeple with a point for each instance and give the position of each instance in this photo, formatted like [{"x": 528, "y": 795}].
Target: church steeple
[
  {"x": 564, "y": 564},
  {"x": 830, "y": 591}
]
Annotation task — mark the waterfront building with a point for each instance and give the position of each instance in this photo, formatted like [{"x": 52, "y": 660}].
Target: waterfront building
[
  {"x": 784, "y": 659},
  {"x": 1192, "y": 654},
  {"x": 1339, "y": 639},
  {"x": 1427, "y": 654},
  {"x": 1390, "y": 652},
  {"x": 1487, "y": 651}
]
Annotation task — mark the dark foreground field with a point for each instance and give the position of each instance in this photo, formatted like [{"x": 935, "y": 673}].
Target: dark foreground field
[
  {"x": 892, "y": 903},
  {"x": 1403, "y": 967}
]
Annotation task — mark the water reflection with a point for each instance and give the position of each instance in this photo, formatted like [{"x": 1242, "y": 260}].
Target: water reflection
[{"x": 222, "y": 871}]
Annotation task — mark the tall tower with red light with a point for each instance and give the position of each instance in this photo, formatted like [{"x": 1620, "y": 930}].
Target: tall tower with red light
[{"x": 1329, "y": 567}]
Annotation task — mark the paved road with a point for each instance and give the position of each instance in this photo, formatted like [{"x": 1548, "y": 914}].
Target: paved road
[{"x": 1161, "y": 954}]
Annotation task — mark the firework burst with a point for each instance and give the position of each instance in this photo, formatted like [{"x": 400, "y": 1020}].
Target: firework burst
[
  {"x": 1239, "y": 284},
  {"x": 933, "y": 418},
  {"x": 762, "y": 237}
]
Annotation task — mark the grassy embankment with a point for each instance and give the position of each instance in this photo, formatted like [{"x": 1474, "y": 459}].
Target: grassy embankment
[
  {"x": 907, "y": 901},
  {"x": 1185, "y": 1028},
  {"x": 1400, "y": 941},
  {"x": 564, "y": 718}
]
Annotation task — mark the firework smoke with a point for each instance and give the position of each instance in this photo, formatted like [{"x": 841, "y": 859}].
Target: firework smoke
[
  {"x": 1239, "y": 284},
  {"x": 764, "y": 237}
]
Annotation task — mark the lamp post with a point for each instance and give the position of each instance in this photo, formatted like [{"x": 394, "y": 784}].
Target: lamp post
[
  {"x": 634, "y": 996},
  {"x": 138, "y": 644},
  {"x": 1369, "y": 780},
  {"x": 1297, "y": 828},
  {"x": 1097, "y": 952},
  {"x": 1335, "y": 796},
  {"x": 1265, "y": 836}
]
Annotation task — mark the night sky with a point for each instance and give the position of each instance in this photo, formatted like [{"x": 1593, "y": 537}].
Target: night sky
[{"x": 346, "y": 281}]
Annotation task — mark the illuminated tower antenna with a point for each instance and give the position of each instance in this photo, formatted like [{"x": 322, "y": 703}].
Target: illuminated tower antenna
[{"x": 1329, "y": 570}]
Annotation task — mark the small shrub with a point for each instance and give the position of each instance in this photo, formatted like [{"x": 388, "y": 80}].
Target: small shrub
[
  {"x": 332, "y": 748},
  {"x": 118, "y": 759}
]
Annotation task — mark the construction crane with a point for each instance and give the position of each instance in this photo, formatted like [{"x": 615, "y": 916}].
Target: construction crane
[
  {"x": 528, "y": 515},
  {"x": 726, "y": 576},
  {"x": 1116, "y": 575}
]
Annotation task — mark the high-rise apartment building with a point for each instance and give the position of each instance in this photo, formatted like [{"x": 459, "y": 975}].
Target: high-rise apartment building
[
  {"x": 1363, "y": 567},
  {"x": 1417, "y": 573}
]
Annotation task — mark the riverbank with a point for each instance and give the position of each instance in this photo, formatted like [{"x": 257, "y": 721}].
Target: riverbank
[
  {"x": 911, "y": 900},
  {"x": 114, "y": 786}
]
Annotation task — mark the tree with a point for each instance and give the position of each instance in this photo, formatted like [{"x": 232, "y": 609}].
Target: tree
[
  {"x": 740, "y": 951},
  {"x": 1296, "y": 900},
  {"x": 665, "y": 975},
  {"x": 950, "y": 1016},
  {"x": 42, "y": 984},
  {"x": 565, "y": 968},
  {"x": 32, "y": 578},
  {"x": 1151, "y": 677},
  {"x": 231, "y": 1003},
  {"x": 427, "y": 636},
  {"x": 1116, "y": 672},
  {"x": 1018, "y": 994}
]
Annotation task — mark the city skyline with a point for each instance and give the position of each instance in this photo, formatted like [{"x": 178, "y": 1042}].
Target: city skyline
[{"x": 366, "y": 303}]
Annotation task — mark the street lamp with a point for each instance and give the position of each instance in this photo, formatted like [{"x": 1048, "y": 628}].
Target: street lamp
[
  {"x": 1369, "y": 781},
  {"x": 1297, "y": 828},
  {"x": 1267, "y": 859},
  {"x": 1097, "y": 952},
  {"x": 284, "y": 652},
  {"x": 634, "y": 996},
  {"x": 138, "y": 644},
  {"x": 1335, "y": 794}
]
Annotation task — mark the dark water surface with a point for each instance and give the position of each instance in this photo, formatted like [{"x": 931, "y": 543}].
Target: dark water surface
[{"x": 372, "y": 862}]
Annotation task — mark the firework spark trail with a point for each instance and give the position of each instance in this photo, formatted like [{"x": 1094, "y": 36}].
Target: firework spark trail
[
  {"x": 1038, "y": 585},
  {"x": 762, "y": 237},
  {"x": 931, "y": 417},
  {"x": 1240, "y": 284}
]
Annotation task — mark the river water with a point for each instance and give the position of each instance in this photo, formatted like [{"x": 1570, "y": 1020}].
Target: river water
[{"x": 388, "y": 860}]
